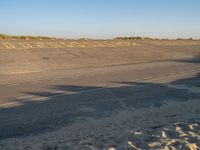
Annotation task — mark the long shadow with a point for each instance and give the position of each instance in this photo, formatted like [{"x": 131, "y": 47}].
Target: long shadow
[
  {"x": 191, "y": 60},
  {"x": 83, "y": 102}
]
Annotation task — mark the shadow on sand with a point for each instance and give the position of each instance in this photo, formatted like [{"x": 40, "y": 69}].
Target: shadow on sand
[{"x": 84, "y": 102}]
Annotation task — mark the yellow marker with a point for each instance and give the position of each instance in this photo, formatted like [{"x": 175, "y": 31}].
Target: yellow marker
[
  {"x": 65, "y": 44},
  {"x": 89, "y": 44},
  {"x": 25, "y": 45},
  {"x": 9, "y": 45},
  {"x": 62, "y": 43},
  {"x": 119, "y": 44},
  {"x": 75, "y": 44},
  {"x": 126, "y": 44},
  {"x": 40, "y": 45},
  {"x": 58, "y": 44},
  {"x": 71, "y": 44},
  {"x": 132, "y": 44},
  {"x": 54, "y": 45},
  {"x": 82, "y": 45},
  {"x": 108, "y": 44},
  {"x": 99, "y": 44}
]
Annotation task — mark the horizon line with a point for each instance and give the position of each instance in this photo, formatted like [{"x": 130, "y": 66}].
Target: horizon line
[{"x": 7, "y": 36}]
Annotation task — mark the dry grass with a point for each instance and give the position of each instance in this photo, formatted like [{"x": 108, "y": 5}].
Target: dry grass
[{"x": 5, "y": 36}]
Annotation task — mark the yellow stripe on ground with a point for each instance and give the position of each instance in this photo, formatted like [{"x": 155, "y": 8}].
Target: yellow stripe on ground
[
  {"x": 8, "y": 45},
  {"x": 108, "y": 44},
  {"x": 125, "y": 44},
  {"x": 71, "y": 44},
  {"x": 89, "y": 44},
  {"x": 64, "y": 44},
  {"x": 99, "y": 44},
  {"x": 82, "y": 45},
  {"x": 76, "y": 44},
  {"x": 122, "y": 44},
  {"x": 25, "y": 45},
  {"x": 40, "y": 45},
  {"x": 119, "y": 43},
  {"x": 53, "y": 44},
  {"x": 133, "y": 44}
]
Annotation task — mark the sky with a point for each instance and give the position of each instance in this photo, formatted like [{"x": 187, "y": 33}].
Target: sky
[{"x": 101, "y": 18}]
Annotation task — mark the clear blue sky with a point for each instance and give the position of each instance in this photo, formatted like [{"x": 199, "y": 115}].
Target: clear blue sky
[{"x": 101, "y": 18}]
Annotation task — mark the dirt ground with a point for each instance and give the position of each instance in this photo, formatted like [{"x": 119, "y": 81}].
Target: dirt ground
[
  {"x": 153, "y": 106},
  {"x": 20, "y": 57}
]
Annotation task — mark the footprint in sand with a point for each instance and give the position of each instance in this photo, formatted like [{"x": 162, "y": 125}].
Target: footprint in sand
[{"x": 181, "y": 135}]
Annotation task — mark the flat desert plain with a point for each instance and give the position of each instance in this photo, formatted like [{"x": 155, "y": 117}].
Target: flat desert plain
[{"x": 99, "y": 94}]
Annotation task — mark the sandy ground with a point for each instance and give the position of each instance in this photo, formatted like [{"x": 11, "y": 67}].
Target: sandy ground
[
  {"x": 173, "y": 125},
  {"x": 16, "y": 59}
]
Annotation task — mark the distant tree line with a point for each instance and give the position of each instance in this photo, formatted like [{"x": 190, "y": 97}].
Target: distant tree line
[
  {"x": 185, "y": 39},
  {"x": 133, "y": 38},
  {"x": 145, "y": 38},
  {"x": 5, "y": 36}
]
